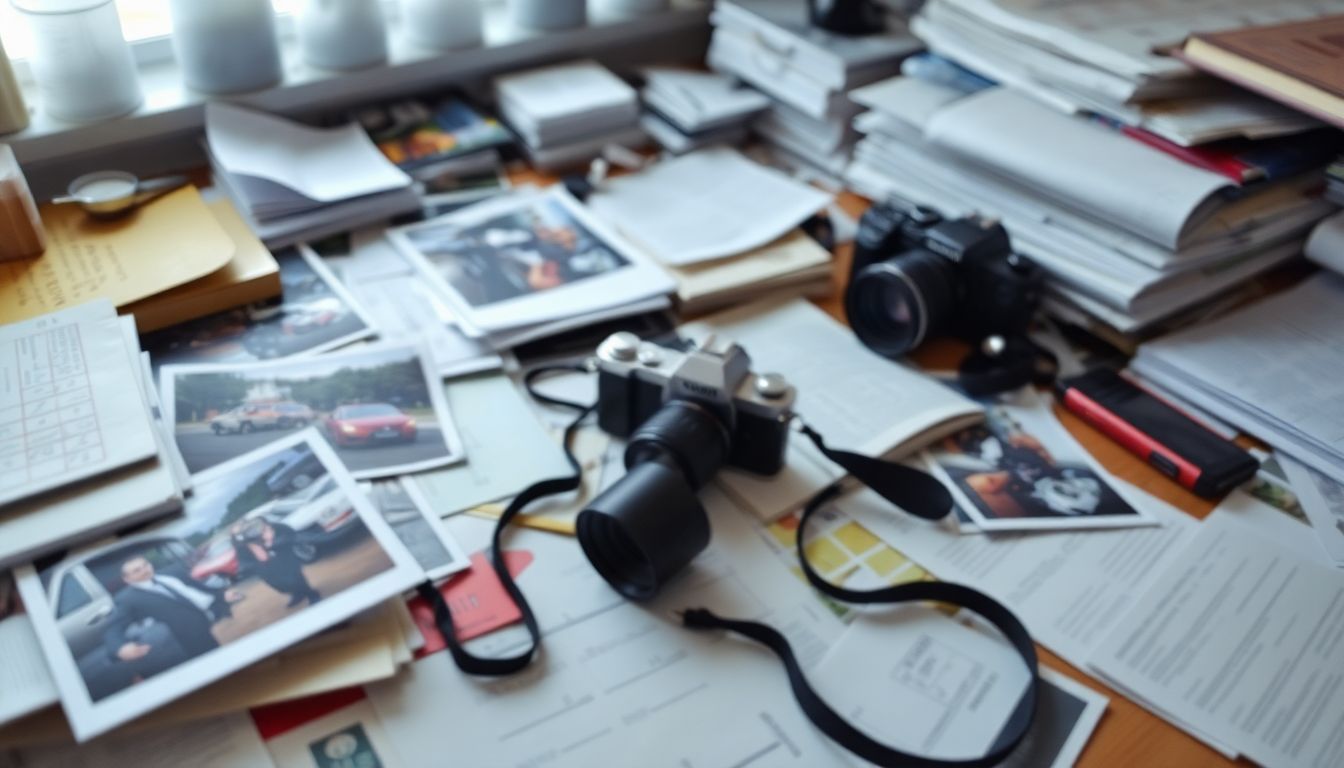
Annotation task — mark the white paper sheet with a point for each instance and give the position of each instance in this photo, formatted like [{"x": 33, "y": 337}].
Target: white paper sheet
[
  {"x": 350, "y": 737},
  {"x": 65, "y": 414},
  {"x": 25, "y": 684},
  {"x": 1240, "y": 638},
  {"x": 326, "y": 165},
  {"x": 618, "y": 680},
  {"x": 706, "y": 205}
]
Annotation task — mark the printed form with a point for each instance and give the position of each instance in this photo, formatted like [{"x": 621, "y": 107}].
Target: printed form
[
  {"x": 1241, "y": 639},
  {"x": 65, "y": 379}
]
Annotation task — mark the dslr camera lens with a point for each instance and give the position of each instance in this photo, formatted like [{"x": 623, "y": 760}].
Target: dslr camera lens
[{"x": 894, "y": 305}]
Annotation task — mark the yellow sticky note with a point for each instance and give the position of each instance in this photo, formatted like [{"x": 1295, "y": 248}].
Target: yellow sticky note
[
  {"x": 856, "y": 538},
  {"x": 885, "y": 562},
  {"x": 163, "y": 244},
  {"x": 824, "y": 555}
]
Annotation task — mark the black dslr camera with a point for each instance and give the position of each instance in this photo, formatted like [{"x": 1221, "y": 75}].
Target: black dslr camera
[
  {"x": 684, "y": 414},
  {"x": 917, "y": 275}
]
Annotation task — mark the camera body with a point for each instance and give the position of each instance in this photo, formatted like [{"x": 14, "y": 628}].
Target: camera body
[
  {"x": 636, "y": 378},
  {"x": 917, "y": 275}
]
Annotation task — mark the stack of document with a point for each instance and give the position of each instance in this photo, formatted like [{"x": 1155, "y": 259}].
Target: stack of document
[
  {"x": 1127, "y": 233},
  {"x": 530, "y": 264},
  {"x": 296, "y": 183},
  {"x": 566, "y": 113},
  {"x": 805, "y": 70},
  {"x": 688, "y": 110},
  {"x": 84, "y": 451},
  {"x": 723, "y": 226},
  {"x": 1274, "y": 369},
  {"x": 1106, "y": 59}
]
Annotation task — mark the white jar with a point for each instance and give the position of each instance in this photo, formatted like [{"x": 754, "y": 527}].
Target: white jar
[
  {"x": 548, "y": 14},
  {"x": 442, "y": 24},
  {"x": 342, "y": 34},
  {"x": 226, "y": 46},
  {"x": 13, "y": 112},
  {"x": 82, "y": 65}
]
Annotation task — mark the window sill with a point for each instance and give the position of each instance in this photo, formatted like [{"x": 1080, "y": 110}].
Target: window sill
[{"x": 171, "y": 112}]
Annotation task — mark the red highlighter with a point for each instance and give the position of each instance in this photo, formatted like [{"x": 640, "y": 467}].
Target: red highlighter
[{"x": 1178, "y": 446}]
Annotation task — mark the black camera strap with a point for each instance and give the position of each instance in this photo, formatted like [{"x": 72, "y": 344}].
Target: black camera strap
[{"x": 910, "y": 489}]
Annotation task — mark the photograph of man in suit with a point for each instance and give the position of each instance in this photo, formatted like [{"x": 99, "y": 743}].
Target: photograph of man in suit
[{"x": 182, "y": 606}]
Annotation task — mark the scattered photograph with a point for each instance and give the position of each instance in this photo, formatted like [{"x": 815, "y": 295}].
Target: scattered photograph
[
  {"x": 273, "y": 547},
  {"x": 314, "y": 314},
  {"x": 381, "y": 407},
  {"x": 526, "y": 258},
  {"x": 1271, "y": 486},
  {"x": 423, "y": 533},
  {"x": 1020, "y": 470}
]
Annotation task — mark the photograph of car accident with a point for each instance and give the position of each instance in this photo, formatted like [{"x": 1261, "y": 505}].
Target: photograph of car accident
[
  {"x": 272, "y": 547},
  {"x": 315, "y": 313},
  {"x": 379, "y": 406}
]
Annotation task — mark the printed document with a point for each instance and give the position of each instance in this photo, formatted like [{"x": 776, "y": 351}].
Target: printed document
[
  {"x": 1244, "y": 640},
  {"x": 707, "y": 205},
  {"x": 64, "y": 380}
]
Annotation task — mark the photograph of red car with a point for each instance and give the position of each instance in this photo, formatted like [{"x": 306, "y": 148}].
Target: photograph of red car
[{"x": 365, "y": 423}]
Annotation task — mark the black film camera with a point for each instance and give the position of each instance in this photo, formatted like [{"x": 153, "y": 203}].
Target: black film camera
[
  {"x": 848, "y": 17},
  {"x": 684, "y": 415},
  {"x": 917, "y": 275}
]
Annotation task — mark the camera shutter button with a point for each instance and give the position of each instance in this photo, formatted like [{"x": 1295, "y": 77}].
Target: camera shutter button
[
  {"x": 650, "y": 355},
  {"x": 772, "y": 385},
  {"x": 623, "y": 346}
]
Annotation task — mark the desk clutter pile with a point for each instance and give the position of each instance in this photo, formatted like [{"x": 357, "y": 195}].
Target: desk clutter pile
[{"x": 246, "y": 474}]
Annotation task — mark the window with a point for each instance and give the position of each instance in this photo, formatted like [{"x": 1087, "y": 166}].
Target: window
[
  {"x": 73, "y": 595},
  {"x": 140, "y": 20}
]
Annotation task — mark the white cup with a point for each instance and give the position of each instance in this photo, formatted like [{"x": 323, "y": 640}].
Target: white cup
[
  {"x": 342, "y": 34},
  {"x": 82, "y": 65},
  {"x": 442, "y": 24},
  {"x": 226, "y": 46}
]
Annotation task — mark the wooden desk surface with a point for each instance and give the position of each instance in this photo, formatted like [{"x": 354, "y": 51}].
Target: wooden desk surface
[{"x": 1127, "y": 735}]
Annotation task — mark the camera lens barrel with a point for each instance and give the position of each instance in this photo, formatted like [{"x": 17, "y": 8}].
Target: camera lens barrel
[
  {"x": 894, "y": 305},
  {"x": 644, "y": 529},
  {"x": 649, "y": 525}
]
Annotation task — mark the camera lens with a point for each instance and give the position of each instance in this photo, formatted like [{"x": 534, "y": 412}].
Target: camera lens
[
  {"x": 894, "y": 305},
  {"x": 649, "y": 525}
]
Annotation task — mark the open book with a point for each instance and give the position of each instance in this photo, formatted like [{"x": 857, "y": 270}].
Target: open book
[{"x": 857, "y": 400}]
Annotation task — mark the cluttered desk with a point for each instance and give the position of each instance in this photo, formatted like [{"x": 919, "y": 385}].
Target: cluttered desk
[{"x": 806, "y": 400}]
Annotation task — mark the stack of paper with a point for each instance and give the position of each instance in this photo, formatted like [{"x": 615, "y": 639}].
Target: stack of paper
[
  {"x": 83, "y": 450},
  {"x": 1106, "y": 59},
  {"x": 1128, "y": 233},
  {"x": 687, "y": 110},
  {"x": 531, "y": 264},
  {"x": 297, "y": 183},
  {"x": 1274, "y": 369},
  {"x": 566, "y": 113},
  {"x": 724, "y": 226},
  {"x": 805, "y": 70}
]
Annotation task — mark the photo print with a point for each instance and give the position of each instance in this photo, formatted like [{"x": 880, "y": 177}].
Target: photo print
[
  {"x": 1020, "y": 470},
  {"x": 314, "y": 314},
  {"x": 401, "y": 504},
  {"x": 273, "y": 547},
  {"x": 381, "y": 407},
  {"x": 526, "y": 258}
]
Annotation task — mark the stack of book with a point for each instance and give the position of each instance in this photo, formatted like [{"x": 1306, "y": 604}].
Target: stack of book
[
  {"x": 806, "y": 71},
  {"x": 686, "y": 110},
  {"x": 87, "y": 451},
  {"x": 1129, "y": 234},
  {"x": 567, "y": 113},
  {"x": 295, "y": 183}
]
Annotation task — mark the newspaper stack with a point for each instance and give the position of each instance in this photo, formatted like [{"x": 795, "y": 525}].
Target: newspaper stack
[
  {"x": 295, "y": 183},
  {"x": 806, "y": 71},
  {"x": 1077, "y": 197},
  {"x": 688, "y": 110},
  {"x": 1105, "y": 59},
  {"x": 566, "y": 113}
]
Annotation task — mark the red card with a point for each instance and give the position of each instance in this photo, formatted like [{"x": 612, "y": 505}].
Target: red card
[{"x": 480, "y": 604}]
